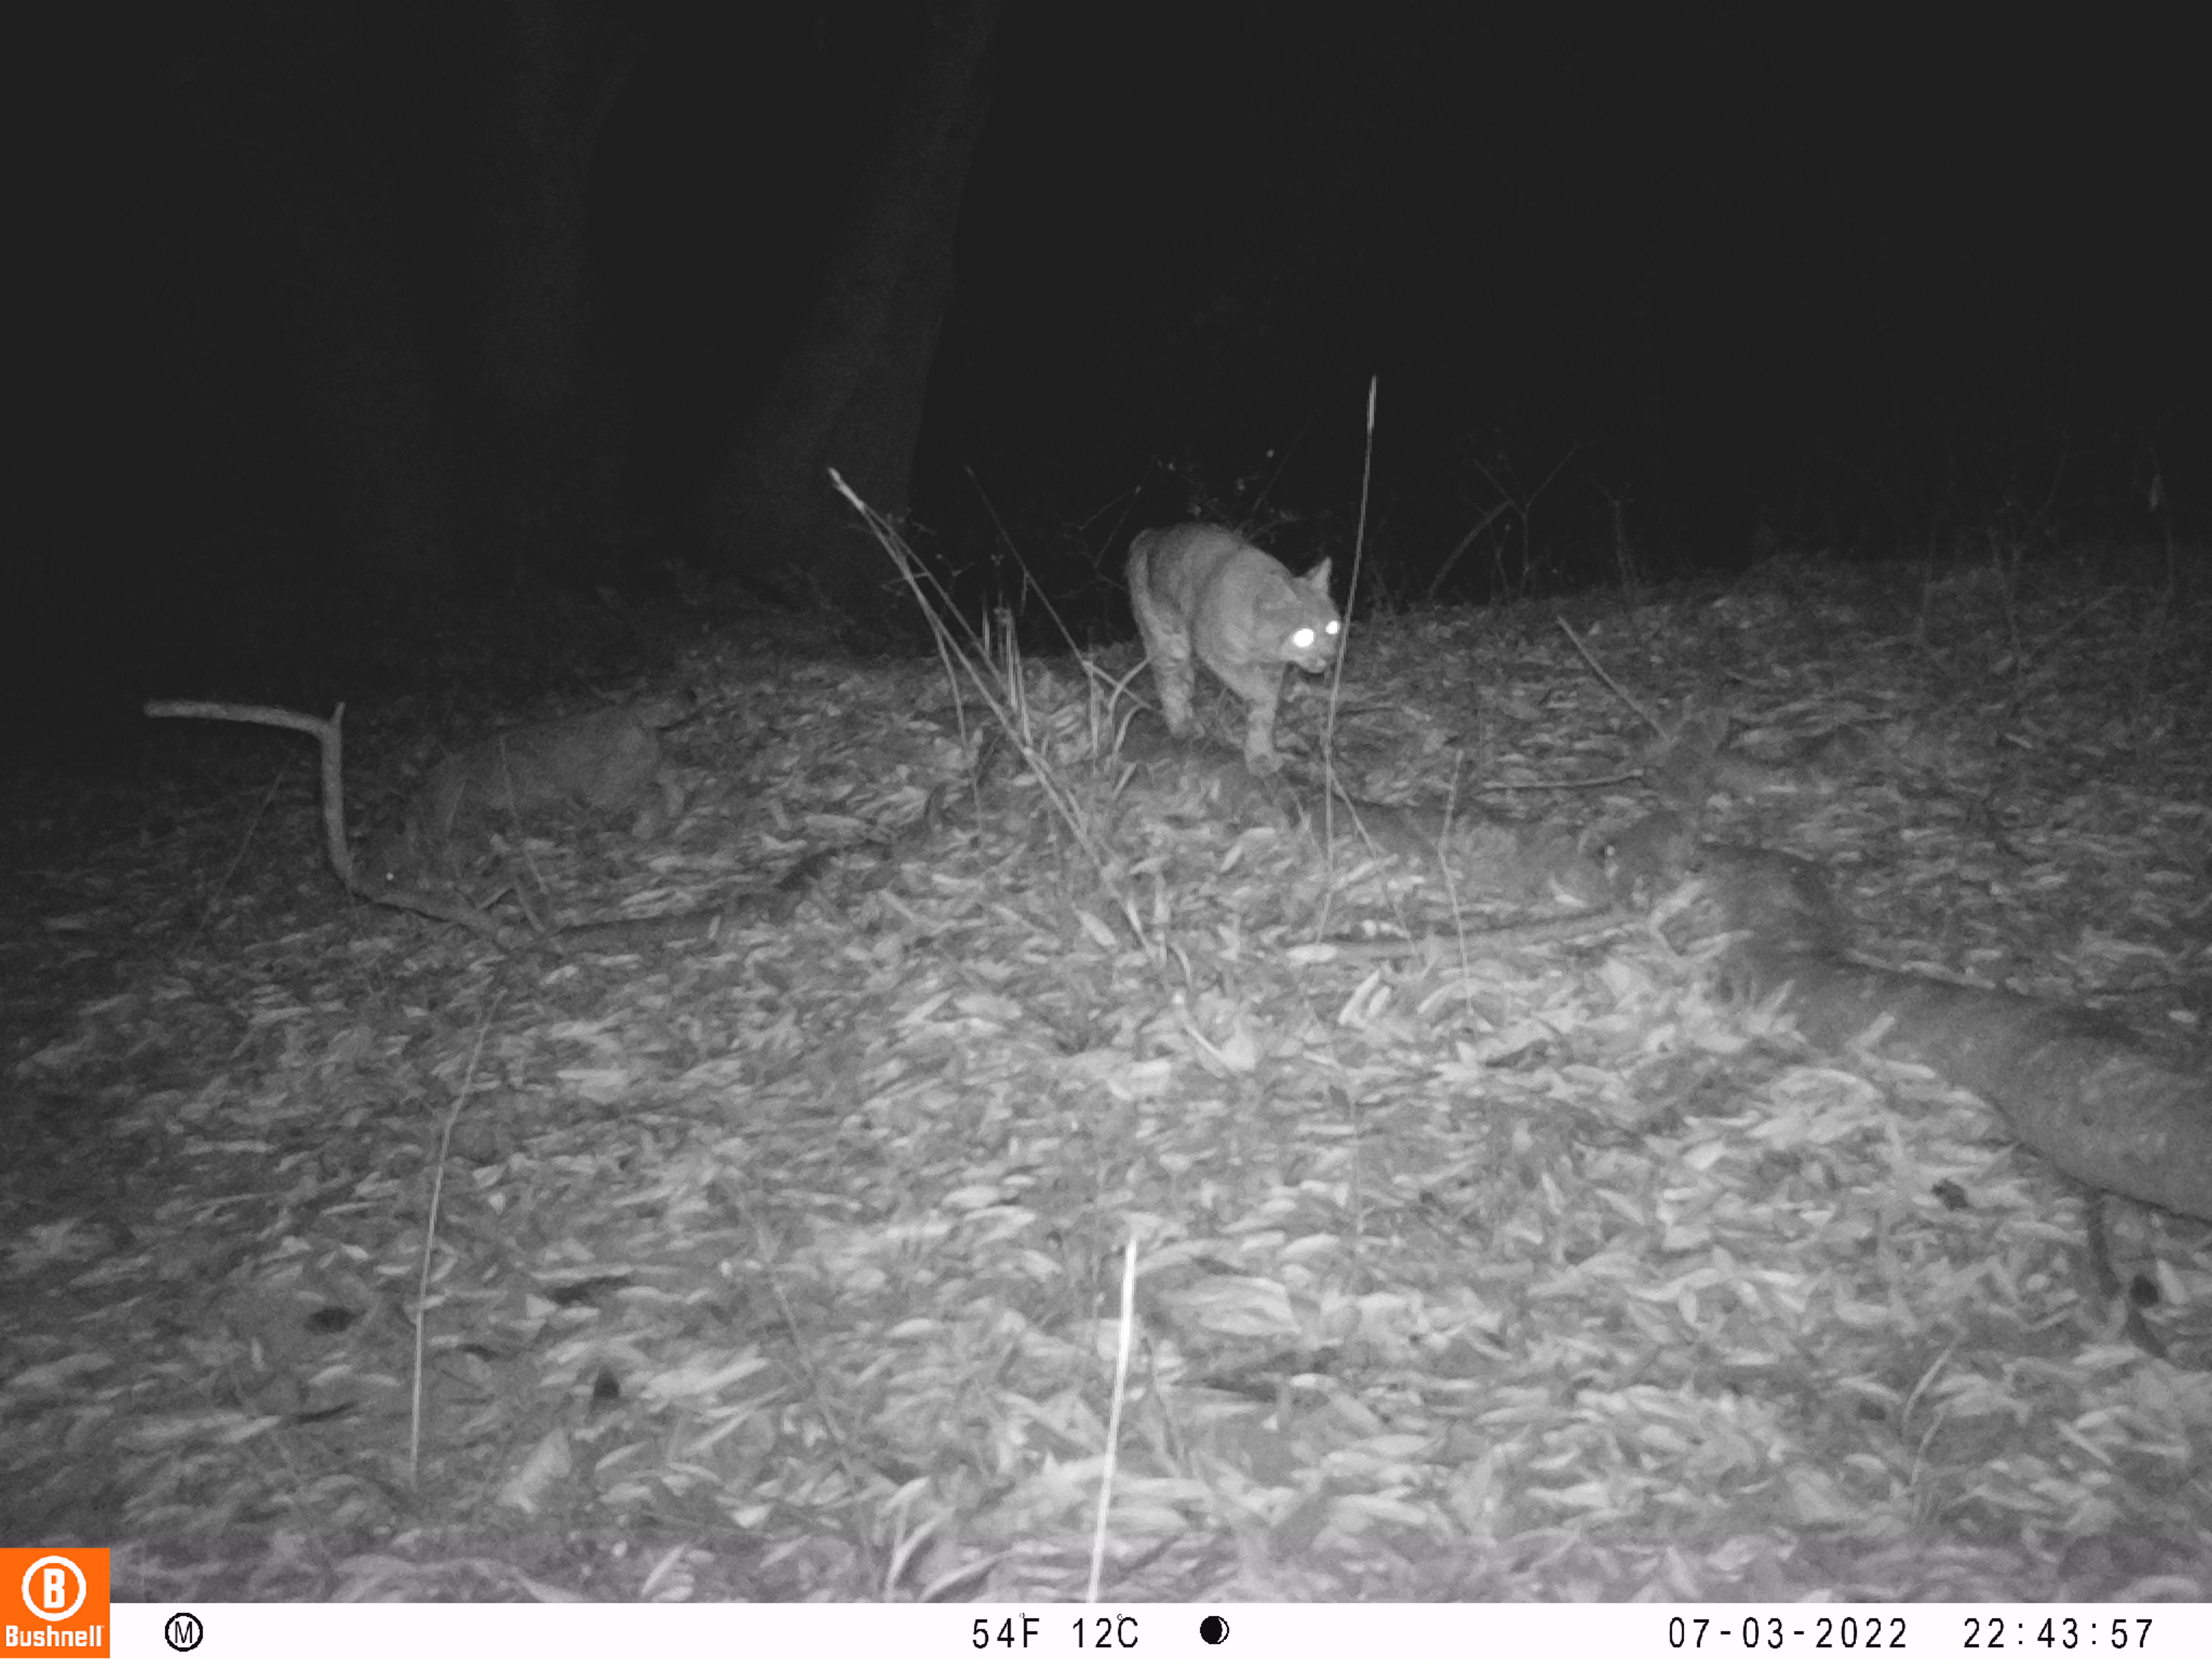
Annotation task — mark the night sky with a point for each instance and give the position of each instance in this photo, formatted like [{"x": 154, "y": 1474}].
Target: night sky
[{"x": 1860, "y": 281}]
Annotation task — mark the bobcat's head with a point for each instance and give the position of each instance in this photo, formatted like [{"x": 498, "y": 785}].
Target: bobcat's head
[{"x": 1306, "y": 618}]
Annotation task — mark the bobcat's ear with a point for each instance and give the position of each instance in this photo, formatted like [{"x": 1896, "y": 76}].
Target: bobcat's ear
[{"x": 1318, "y": 578}]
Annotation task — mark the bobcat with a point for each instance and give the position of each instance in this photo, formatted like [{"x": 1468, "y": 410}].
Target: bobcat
[{"x": 1198, "y": 589}]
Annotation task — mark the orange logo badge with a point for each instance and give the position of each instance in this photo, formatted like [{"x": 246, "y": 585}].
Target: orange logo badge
[{"x": 54, "y": 1604}]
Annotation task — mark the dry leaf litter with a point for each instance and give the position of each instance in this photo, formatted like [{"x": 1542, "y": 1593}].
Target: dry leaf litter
[{"x": 784, "y": 1265}]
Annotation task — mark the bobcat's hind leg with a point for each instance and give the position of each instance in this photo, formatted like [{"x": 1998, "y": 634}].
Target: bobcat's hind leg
[
  {"x": 1165, "y": 643},
  {"x": 1176, "y": 680}
]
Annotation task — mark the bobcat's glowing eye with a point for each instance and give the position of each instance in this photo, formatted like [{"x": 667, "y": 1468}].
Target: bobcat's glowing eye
[
  {"x": 1302, "y": 638},
  {"x": 1332, "y": 630}
]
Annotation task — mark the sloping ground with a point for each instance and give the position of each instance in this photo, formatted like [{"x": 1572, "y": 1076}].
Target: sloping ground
[{"x": 784, "y": 1263}]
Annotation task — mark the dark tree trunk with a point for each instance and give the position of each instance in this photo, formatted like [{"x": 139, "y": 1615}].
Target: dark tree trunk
[
  {"x": 281, "y": 100},
  {"x": 547, "y": 414},
  {"x": 848, "y": 390}
]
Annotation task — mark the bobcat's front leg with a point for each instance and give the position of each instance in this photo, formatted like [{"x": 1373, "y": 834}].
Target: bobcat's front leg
[{"x": 1260, "y": 759}]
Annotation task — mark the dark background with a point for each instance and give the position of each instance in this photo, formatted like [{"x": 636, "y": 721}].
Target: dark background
[{"x": 1647, "y": 290}]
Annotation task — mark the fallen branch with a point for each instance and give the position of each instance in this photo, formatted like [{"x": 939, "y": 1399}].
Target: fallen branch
[
  {"x": 2106, "y": 1104},
  {"x": 326, "y": 732}
]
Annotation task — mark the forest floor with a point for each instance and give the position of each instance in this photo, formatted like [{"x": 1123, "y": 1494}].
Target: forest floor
[{"x": 352, "y": 1254}]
